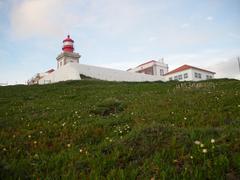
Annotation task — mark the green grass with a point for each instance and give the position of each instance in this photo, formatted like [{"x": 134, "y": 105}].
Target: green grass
[{"x": 107, "y": 130}]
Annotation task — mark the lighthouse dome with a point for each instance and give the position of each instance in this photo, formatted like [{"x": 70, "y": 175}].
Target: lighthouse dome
[{"x": 68, "y": 44}]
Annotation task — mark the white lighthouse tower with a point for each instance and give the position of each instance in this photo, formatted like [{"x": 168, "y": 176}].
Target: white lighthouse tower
[{"x": 68, "y": 55}]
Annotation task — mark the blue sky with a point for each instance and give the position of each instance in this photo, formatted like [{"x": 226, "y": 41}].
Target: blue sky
[{"x": 118, "y": 34}]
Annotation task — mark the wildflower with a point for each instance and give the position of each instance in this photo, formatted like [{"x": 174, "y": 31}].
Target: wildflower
[
  {"x": 80, "y": 150},
  {"x": 29, "y": 136},
  {"x": 204, "y": 150},
  {"x": 14, "y": 136},
  {"x": 212, "y": 141},
  {"x": 68, "y": 145},
  {"x": 76, "y": 112},
  {"x": 40, "y": 132},
  {"x": 191, "y": 157},
  {"x": 197, "y": 142},
  {"x": 201, "y": 145},
  {"x": 4, "y": 149},
  {"x": 63, "y": 124},
  {"x": 185, "y": 118},
  {"x": 239, "y": 105},
  {"x": 110, "y": 140},
  {"x": 36, "y": 156},
  {"x": 35, "y": 142}
]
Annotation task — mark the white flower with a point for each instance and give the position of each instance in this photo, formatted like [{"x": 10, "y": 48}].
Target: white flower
[
  {"x": 197, "y": 142},
  {"x": 35, "y": 142},
  {"x": 239, "y": 105},
  {"x": 41, "y": 132},
  {"x": 185, "y": 118},
  {"x": 201, "y": 145},
  {"x": 68, "y": 145},
  {"x": 80, "y": 150},
  {"x": 29, "y": 136},
  {"x": 191, "y": 157},
  {"x": 204, "y": 150},
  {"x": 212, "y": 140},
  {"x": 4, "y": 149},
  {"x": 63, "y": 124}
]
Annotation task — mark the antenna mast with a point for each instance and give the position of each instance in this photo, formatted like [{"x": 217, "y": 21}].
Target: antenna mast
[{"x": 238, "y": 58}]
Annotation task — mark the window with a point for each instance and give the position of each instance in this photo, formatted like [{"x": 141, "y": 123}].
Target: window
[
  {"x": 175, "y": 78},
  {"x": 185, "y": 75},
  {"x": 180, "y": 77},
  {"x": 170, "y": 79},
  {"x": 197, "y": 75},
  {"x": 161, "y": 72},
  {"x": 208, "y": 77}
]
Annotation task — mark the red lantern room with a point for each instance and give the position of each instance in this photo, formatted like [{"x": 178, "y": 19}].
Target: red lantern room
[{"x": 68, "y": 44}]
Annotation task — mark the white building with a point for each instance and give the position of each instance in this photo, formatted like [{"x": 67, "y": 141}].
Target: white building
[
  {"x": 189, "y": 73},
  {"x": 157, "y": 68},
  {"x": 68, "y": 68}
]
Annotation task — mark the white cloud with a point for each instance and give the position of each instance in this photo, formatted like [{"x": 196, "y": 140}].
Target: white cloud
[
  {"x": 227, "y": 69},
  {"x": 185, "y": 25},
  {"x": 39, "y": 17},
  {"x": 54, "y": 17},
  {"x": 234, "y": 36},
  {"x": 209, "y": 18}
]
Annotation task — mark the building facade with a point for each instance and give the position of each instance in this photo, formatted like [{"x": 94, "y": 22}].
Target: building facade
[
  {"x": 189, "y": 73},
  {"x": 156, "y": 68}
]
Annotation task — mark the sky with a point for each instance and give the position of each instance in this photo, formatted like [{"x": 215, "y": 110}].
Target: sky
[{"x": 119, "y": 34}]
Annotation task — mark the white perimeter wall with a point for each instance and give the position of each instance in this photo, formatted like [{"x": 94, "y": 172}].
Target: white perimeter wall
[{"x": 72, "y": 71}]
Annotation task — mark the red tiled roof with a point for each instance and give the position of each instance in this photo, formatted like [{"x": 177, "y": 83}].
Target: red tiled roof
[
  {"x": 50, "y": 71},
  {"x": 185, "y": 67},
  {"x": 146, "y": 63}
]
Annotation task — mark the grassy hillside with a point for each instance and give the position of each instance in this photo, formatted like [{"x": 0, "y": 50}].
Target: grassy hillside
[{"x": 108, "y": 130}]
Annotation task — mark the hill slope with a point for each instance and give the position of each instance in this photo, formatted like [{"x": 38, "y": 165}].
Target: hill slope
[{"x": 99, "y": 130}]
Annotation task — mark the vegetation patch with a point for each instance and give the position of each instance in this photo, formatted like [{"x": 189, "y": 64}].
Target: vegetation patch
[
  {"x": 94, "y": 129},
  {"x": 108, "y": 106}
]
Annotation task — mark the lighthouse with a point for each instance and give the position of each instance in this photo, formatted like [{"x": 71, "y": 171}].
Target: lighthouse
[{"x": 67, "y": 55}]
